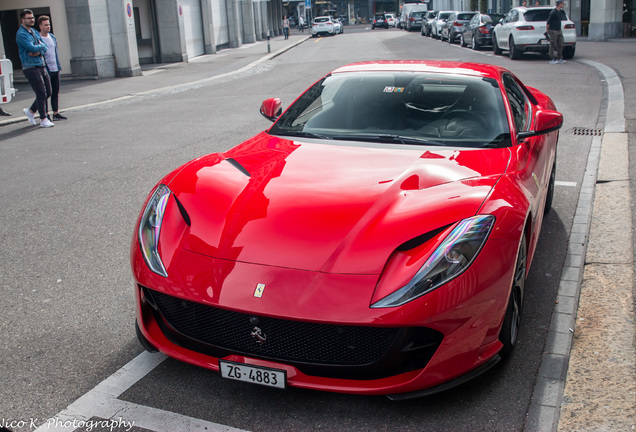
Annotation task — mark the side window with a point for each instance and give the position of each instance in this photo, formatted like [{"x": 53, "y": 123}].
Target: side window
[
  {"x": 509, "y": 17},
  {"x": 519, "y": 104}
]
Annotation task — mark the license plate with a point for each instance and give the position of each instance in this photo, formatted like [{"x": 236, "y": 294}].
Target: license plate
[
  {"x": 253, "y": 374},
  {"x": 545, "y": 42}
]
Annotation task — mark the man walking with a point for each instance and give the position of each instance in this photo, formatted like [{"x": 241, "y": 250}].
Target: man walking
[
  {"x": 31, "y": 49},
  {"x": 52, "y": 59},
  {"x": 553, "y": 27}
]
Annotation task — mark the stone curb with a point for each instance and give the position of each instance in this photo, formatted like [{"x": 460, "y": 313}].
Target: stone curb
[{"x": 545, "y": 405}]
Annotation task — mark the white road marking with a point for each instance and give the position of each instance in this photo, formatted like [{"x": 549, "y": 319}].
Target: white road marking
[
  {"x": 101, "y": 402},
  {"x": 564, "y": 183}
]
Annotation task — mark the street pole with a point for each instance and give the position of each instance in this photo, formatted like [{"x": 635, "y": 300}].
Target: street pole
[{"x": 269, "y": 48}]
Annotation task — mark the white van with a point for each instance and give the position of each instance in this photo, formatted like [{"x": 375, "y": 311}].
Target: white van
[{"x": 407, "y": 9}]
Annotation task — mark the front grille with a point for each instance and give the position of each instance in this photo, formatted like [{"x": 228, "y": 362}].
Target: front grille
[{"x": 355, "y": 351}]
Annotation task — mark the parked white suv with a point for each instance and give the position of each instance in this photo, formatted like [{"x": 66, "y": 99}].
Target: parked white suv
[{"x": 522, "y": 30}]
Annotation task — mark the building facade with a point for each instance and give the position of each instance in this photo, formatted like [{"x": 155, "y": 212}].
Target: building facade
[{"x": 110, "y": 38}]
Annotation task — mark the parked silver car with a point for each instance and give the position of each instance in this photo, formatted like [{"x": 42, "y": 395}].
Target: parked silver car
[
  {"x": 438, "y": 22},
  {"x": 427, "y": 23},
  {"x": 453, "y": 27}
]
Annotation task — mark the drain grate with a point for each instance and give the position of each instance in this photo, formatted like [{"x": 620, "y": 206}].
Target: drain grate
[{"x": 587, "y": 131}]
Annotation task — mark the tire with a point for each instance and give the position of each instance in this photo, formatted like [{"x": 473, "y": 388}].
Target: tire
[
  {"x": 475, "y": 45},
  {"x": 568, "y": 52},
  {"x": 513, "y": 51},
  {"x": 550, "y": 194},
  {"x": 512, "y": 320},
  {"x": 462, "y": 42},
  {"x": 495, "y": 47}
]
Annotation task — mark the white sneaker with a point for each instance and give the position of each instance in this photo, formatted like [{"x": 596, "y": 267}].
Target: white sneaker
[
  {"x": 46, "y": 123},
  {"x": 562, "y": 61},
  {"x": 30, "y": 116}
]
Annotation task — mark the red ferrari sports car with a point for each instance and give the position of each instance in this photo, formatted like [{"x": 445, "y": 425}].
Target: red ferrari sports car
[{"x": 374, "y": 240}]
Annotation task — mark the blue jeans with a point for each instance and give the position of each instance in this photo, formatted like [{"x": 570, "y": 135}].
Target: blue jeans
[{"x": 286, "y": 32}]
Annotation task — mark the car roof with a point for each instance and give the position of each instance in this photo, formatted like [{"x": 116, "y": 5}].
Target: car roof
[
  {"x": 450, "y": 67},
  {"x": 527, "y": 8}
]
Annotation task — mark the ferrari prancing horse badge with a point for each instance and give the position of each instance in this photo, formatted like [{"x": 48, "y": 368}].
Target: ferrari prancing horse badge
[{"x": 259, "y": 290}]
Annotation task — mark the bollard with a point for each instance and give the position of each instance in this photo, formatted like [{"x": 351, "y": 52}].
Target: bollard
[
  {"x": 269, "y": 48},
  {"x": 6, "y": 83}
]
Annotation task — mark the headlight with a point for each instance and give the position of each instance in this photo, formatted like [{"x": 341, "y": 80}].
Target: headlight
[
  {"x": 150, "y": 228},
  {"x": 449, "y": 260}
]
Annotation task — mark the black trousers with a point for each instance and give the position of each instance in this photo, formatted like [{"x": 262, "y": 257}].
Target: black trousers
[
  {"x": 41, "y": 84},
  {"x": 55, "y": 90}
]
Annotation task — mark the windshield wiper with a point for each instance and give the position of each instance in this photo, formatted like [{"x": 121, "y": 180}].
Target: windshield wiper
[
  {"x": 302, "y": 134},
  {"x": 387, "y": 138}
]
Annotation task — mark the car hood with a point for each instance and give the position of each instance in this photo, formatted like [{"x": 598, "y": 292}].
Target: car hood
[{"x": 327, "y": 206}]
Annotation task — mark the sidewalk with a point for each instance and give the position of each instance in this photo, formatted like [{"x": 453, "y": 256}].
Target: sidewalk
[
  {"x": 81, "y": 93},
  {"x": 587, "y": 379}
]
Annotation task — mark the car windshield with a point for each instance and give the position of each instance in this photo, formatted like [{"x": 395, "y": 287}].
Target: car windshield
[
  {"x": 445, "y": 15},
  {"x": 400, "y": 108},
  {"x": 489, "y": 19},
  {"x": 322, "y": 20},
  {"x": 465, "y": 16},
  {"x": 379, "y": 17},
  {"x": 534, "y": 15},
  {"x": 417, "y": 15}
]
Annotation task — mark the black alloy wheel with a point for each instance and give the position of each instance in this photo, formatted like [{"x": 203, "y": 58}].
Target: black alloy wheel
[
  {"x": 550, "y": 195},
  {"x": 512, "y": 320},
  {"x": 513, "y": 51},
  {"x": 495, "y": 47},
  {"x": 475, "y": 44}
]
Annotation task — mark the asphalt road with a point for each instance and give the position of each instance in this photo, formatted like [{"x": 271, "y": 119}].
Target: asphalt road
[{"x": 70, "y": 197}]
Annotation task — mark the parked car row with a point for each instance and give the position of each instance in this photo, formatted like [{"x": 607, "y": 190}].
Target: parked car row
[
  {"x": 326, "y": 25},
  {"x": 522, "y": 30}
]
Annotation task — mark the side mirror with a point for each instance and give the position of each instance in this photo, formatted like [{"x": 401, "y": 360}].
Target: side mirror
[
  {"x": 544, "y": 123},
  {"x": 271, "y": 109}
]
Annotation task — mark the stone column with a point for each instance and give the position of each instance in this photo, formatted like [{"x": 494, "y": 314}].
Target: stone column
[
  {"x": 170, "y": 32},
  {"x": 89, "y": 31},
  {"x": 606, "y": 20},
  {"x": 208, "y": 27},
  {"x": 234, "y": 23},
  {"x": 247, "y": 17},
  {"x": 258, "y": 20},
  {"x": 124, "y": 38}
]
